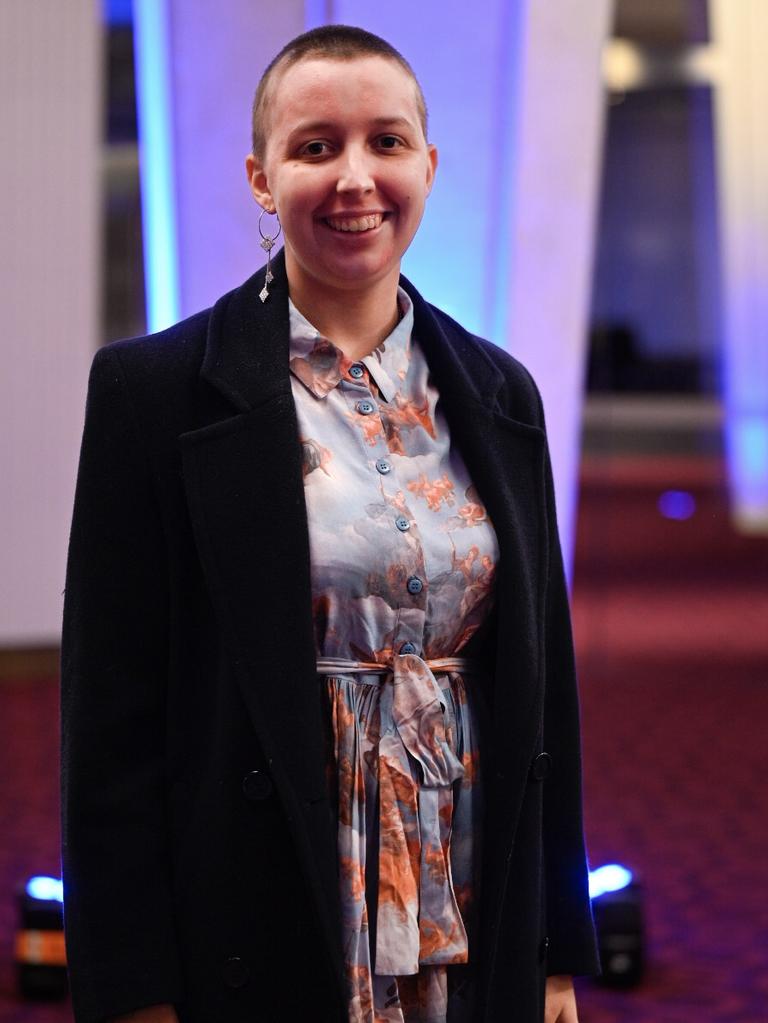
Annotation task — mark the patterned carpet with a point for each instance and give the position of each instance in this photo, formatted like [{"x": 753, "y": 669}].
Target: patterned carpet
[{"x": 671, "y": 620}]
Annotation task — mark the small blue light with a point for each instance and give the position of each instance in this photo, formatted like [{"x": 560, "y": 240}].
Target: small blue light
[
  {"x": 677, "y": 504},
  {"x": 610, "y": 878},
  {"x": 46, "y": 889}
]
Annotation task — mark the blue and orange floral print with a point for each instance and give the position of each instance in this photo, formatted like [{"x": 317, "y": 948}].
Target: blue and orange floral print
[{"x": 403, "y": 564}]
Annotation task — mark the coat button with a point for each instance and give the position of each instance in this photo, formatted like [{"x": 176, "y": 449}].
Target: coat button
[
  {"x": 236, "y": 972},
  {"x": 543, "y": 949},
  {"x": 541, "y": 767},
  {"x": 256, "y": 785}
]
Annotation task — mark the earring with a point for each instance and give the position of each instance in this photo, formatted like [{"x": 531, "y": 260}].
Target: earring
[{"x": 267, "y": 243}]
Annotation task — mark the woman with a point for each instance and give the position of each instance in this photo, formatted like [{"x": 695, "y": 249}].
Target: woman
[{"x": 317, "y": 660}]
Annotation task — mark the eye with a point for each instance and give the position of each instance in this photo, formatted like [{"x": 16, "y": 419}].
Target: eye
[
  {"x": 389, "y": 142},
  {"x": 314, "y": 148}
]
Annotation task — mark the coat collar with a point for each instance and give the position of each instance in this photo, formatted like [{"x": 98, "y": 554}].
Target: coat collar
[{"x": 247, "y": 347}]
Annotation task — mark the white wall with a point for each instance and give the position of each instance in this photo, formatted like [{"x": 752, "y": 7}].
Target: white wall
[{"x": 50, "y": 128}]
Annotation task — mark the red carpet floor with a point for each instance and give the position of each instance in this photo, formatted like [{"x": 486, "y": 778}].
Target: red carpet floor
[
  {"x": 671, "y": 622},
  {"x": 671, "y": 619}
]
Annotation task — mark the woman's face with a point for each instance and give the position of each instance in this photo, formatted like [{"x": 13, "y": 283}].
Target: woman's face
[{"x": 346, "y": 167}]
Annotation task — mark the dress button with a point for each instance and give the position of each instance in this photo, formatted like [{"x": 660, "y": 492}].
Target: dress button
[
  {"x": 383, "y": 466},
  {"x": 402, "y": 523},
  {"x": 415, "y": 585},
  {"x": 407, "y": 648},
  {"x": 236, "y": 972},
  {"x": 541, "y": 767},
  {"x": 356, "y": 370},
  {"x": 365, "y": 407},
  {"x": 256, "y": 785}
]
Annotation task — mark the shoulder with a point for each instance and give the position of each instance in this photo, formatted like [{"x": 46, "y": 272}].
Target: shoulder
[
  {"x": 174, "y": 352},
  {"x": 152, "y": 380},
  {"x": 519, "y": 396}
]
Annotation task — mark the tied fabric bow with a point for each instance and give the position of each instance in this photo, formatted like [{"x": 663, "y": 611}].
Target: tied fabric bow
[{"x": 418, "y": 919}]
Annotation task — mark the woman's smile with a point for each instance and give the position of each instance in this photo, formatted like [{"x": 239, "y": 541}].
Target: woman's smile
[{"x": 360, "y": 223}]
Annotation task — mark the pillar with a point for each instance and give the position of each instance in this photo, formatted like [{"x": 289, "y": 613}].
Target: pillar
[
  {"x": 50, "y": 280},
  {"x": 740, "y": 31}
]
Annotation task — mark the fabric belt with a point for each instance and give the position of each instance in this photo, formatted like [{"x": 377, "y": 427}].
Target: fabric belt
[
  {"x": 341, "y": 666},
  {"x": 418, "y": 918}
]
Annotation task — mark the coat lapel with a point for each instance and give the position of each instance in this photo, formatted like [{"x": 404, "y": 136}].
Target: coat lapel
[
  {"x": 505, "y": 459},
  {"x": 244, "y": 484},
  {"x": 245, "y": 490}
]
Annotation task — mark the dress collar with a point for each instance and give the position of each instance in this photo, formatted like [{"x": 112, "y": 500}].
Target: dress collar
[{"x": 320, "y": 365}]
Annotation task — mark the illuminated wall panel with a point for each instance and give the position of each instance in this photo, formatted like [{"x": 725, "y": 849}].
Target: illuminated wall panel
[{"x": 740, "y": 32}]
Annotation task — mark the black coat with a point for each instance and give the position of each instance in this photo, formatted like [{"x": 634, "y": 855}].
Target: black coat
[{"x": 199, "y": 841}]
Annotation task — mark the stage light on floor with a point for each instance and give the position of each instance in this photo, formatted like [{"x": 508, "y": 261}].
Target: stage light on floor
[
  {"x": 617, "y": 906},
  {"x": 45, "y": 889},
  {"x": 39, "y": 946},
  {"x": 610, "y": 878}
]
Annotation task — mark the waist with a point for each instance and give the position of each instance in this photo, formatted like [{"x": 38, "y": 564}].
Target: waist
[{"x": 437, "y": 665}]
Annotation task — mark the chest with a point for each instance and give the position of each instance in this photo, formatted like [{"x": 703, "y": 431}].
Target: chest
[{"x": 403, "y": 552}]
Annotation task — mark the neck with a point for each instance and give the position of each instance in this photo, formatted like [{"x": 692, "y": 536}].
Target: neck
[{"x": 355, "y": 320}]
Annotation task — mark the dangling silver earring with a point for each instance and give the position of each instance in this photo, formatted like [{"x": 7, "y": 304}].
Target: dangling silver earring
[{"x": 268, "y": 243}]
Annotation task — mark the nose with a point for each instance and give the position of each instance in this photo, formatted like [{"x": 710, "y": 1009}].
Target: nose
[{"x": 355, "y": 173}]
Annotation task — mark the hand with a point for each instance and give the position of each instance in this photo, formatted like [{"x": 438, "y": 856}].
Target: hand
[
  {"x": 560, "y": 1000},
  {"x": 152, "y": 1014}
]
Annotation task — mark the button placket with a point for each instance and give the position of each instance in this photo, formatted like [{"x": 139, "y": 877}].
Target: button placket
[{"x": 392, "y": 490}]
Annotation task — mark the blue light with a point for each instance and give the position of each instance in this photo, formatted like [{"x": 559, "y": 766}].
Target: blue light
[
  {"x": 46, "y": 889},
  {"x": 677, "y": 504},
  {"x": 610, "y": 878},
  {"x": 117, "y": 12},
  {"x": 749, "y": 436},
  {"x": 158, "y": 207}
]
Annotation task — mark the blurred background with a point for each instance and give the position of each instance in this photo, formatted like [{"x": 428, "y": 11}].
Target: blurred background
[{"x": 601, "y": 211}]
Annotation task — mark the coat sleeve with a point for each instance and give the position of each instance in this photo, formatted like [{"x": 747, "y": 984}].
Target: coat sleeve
[
  {"x": 121, "y": 947},
  {"x": 572, "y": 947}
]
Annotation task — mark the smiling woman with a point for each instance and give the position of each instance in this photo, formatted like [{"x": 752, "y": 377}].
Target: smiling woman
[{"x": 320, "y": 726}]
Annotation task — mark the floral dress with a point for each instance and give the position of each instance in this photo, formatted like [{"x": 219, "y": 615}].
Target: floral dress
[{"x": 403, "y": 562}]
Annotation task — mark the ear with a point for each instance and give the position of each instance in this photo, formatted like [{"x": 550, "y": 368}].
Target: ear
[
  {"x": 257, "y": 179},
  {"x": 431, "y": 165}
]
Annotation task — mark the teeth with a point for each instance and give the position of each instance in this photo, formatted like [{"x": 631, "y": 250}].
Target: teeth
[{"x": 354, "y": 223}]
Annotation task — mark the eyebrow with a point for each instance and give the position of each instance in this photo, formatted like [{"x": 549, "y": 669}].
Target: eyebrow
[{"x": 396, "y": 121}]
